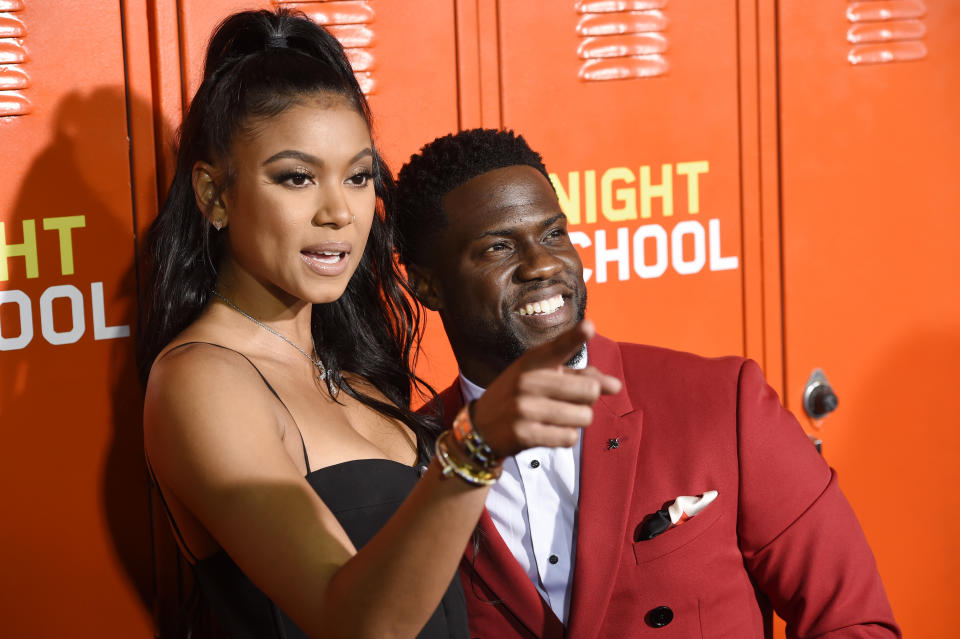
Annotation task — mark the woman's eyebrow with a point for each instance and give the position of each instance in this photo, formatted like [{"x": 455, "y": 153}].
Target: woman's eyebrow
[
  {"x": 311, "y": 159},
  {"x": 362, "y": 154},
  {"x": 296, "y": 155}
]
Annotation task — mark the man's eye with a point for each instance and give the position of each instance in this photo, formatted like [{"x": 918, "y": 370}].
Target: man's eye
[
  {"x": 499, "y": 246},
  {"x": 555, "y": 233}
]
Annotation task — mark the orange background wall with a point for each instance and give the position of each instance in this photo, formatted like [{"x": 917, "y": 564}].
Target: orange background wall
[{"x": 772, "y": 179}]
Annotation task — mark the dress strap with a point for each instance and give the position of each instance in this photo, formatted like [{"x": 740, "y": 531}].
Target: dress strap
[
  {"x": 173, "y": 522},
  {"x": 303, "y": 445}
]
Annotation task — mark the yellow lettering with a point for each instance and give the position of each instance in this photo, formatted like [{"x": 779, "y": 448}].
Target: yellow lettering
[
  {"x": 570, "y": 197},
  {"x": 27, "y": 250},
  {"x": 63, "y": 226},
  {"x": 626, "y": 196},
  {"x": 663, "y": 190},
  {"x": 590, "y": 197},
  {"x": 693, "y": 170}
]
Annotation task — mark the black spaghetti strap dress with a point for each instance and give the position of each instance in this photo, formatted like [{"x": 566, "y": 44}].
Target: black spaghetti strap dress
[{"x": 363, "y": 494}]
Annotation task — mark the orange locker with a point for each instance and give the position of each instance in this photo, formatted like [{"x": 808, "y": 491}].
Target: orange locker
[
  {"x": 75, "y": 533},
  {"x": 869, "y": 166},
  {"x": 648, "y": 114},
  {"x": 833, "y": 122},
  {"x": 773, "y": 179},
  {"x": 412, "y": 89},
  {"x": 637, "y": 115}
]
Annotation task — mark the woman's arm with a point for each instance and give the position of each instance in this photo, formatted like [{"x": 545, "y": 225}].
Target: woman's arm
[{"x": 212, "y": 437}]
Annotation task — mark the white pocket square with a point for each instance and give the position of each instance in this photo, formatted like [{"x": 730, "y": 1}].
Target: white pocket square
[{"x": 673, "y": 514}]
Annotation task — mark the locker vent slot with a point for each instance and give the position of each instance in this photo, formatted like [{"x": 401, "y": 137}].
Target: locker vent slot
[
  {"x": 621, "y": 39},
  {"x": 349, "y": 21},
  {"x": 886, "y": 31},
  {"x": 13, "y": 77}
]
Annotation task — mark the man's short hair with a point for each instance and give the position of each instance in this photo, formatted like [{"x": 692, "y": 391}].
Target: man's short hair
[{"x": 440, "y": 167}]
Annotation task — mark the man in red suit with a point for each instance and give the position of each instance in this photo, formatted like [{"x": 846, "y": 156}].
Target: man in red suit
[{"x": 692, "y": 503}]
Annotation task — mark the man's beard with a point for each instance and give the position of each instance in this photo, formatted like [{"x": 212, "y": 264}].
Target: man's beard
[{"x": 504, "y": 345}]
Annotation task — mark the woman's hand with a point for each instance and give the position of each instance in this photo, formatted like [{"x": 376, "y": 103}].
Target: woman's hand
[{"x": 538, "y": 401}]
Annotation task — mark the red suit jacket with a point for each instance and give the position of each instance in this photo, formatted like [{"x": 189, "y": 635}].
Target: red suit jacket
[{"x": 685, "y": 425}]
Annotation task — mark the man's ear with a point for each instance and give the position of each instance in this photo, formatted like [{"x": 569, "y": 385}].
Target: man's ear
[
  {"x": 424, "y": 286},
  {"x": 206, "y": 181}
]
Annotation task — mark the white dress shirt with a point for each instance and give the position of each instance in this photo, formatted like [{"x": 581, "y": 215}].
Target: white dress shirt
[{"x": 534, "y": 508}]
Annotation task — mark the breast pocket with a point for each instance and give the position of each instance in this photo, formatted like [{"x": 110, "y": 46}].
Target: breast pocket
[{"x": 678, "y": 536}]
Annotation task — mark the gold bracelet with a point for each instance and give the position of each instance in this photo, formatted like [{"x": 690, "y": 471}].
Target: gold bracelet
[
  {"x": 464, "y": 470},
  {"x": 468, "y": 437}
]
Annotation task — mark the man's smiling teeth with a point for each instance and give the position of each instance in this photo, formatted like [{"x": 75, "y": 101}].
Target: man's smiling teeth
[{"x": 544, "y": 307}]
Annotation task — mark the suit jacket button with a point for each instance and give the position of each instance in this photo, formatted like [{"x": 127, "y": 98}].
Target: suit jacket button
[{"x": 659, "y": 616}]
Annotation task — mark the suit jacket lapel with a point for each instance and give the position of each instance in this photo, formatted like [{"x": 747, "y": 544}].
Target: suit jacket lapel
[
  {"x": 451, "y": 402},
  {"x": 496, "y": 566},
  {"x": 608, "y": 463}
]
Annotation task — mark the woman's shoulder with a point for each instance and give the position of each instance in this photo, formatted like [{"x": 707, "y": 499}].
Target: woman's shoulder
[
  {"x": 199, "y": 383},
  {"x": 185, "y": 361},
  {"x": 208, "y": 417},
  {"x": 200, "y": 351}
]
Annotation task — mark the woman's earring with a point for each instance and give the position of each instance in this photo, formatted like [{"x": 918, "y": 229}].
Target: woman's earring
[{"x": 218, "y": 223}]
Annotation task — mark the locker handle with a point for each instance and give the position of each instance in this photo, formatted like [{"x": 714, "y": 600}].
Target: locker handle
[{"x": 819, "y": 398}]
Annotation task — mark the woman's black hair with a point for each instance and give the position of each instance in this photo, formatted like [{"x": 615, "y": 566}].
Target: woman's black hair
[{"x": 259, "y": 63}]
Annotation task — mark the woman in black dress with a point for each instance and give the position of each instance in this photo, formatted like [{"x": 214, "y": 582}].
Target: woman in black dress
[{"x": 278, "y": 342}]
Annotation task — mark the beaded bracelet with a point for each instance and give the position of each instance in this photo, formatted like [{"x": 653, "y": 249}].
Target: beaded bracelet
[
  {"x": 467, "y": 472},
  {"x": 468, "y": 437}
]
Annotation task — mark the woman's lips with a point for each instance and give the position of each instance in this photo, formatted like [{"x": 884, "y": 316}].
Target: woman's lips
[{"x": 329, "y": 259}]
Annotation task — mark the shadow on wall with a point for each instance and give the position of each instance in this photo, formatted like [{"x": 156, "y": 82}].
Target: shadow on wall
[{"x": 69, "y": 398}]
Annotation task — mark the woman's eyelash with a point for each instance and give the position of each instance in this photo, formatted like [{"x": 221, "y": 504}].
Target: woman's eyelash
[
  {"x": 361, "y": 177},
  {"x": 300, "y": 177},
  {"x": 295, "y": 176}
]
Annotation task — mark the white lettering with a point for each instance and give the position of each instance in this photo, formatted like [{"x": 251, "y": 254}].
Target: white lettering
[
  {"x": 26, "y": 321},
  {"x": 621, "y": 254},
  {"x": 653, "y": 252},
  {"x": 695, "y": 264},
  {"x": 581, "y": 239},
  {"x": 659, "y": 267},
  {"x": 50, "y": 333},
  {"x": 100, "y": 328},
  {"x": 717, "y": 261}
]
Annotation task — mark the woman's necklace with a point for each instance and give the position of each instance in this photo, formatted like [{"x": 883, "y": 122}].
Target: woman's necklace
[{"x": 317, "y": 363}]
